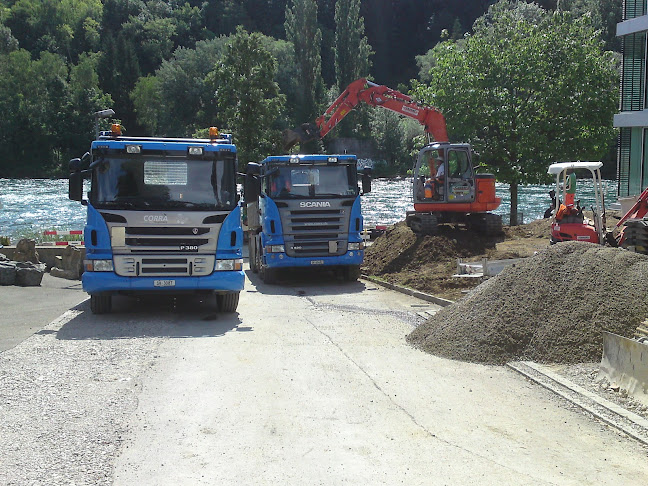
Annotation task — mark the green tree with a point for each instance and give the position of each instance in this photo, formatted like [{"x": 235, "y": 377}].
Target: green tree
[
  {"x": 247, "y": 96},
  {"x": 44, "y": 104},
  {"x": 527, "y": 89},
  {"x": 390, "y": 142},
  {"x": 58, "y": 26},
  {"x": 302, "y": 30},
  {"x": 147, "y": 103},
  {"x": 352, "y": 51},
  {"x": 185, "y": 101}
]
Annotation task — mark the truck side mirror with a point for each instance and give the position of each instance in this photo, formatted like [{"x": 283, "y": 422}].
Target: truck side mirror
[
  {"x": 252, "y": 188},
  {"x": 366, "y": 180},
  {"x": 75, "y": 165},
  {"x": 253, "y": 169},
  {"x": 75, "y": 191}
]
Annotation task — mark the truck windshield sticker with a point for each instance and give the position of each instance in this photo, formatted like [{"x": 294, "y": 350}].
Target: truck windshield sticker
[{"x": 160, "y": 172}]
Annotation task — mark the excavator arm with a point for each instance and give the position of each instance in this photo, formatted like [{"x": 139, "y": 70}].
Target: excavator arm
[{"x": 373, "y": 94}]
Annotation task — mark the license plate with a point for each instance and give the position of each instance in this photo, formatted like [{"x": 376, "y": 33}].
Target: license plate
[
  {"x": 164, "y": 283},
  {"x": 317, "y": 262}
]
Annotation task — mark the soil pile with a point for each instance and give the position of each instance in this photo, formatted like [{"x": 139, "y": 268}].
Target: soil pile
[
  {"x": 552, "y": 307},
  {"x": 428, "y": 263}
]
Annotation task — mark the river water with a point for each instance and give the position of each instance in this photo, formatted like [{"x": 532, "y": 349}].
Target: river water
[{"x": 30, "y": 206}]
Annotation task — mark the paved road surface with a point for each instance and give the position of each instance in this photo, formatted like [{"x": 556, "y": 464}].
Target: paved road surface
[
  {"x": 26, "y": 310},
  {"x": 310, "y": 383}
]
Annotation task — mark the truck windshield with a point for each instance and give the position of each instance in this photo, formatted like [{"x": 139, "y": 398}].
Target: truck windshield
[
  {"x": 307, "y": 181},
  {"x": 164, "y": 183}
]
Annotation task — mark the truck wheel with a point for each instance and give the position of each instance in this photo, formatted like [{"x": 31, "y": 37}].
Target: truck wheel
[
  {"x": 268, "y": 275},
  {"x": 228, "y": 302},
  {"x": 252, "y": 250},
  {"x": 100, "y": 304},
  {"x": 352, "y": 273}
]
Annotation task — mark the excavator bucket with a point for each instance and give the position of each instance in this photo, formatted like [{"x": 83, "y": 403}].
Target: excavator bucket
[{"x": 305, "y": 133}]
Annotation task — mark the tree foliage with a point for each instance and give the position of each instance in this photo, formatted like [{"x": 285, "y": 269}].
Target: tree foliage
[
  {"x": 352, "y": 51},
  {"x": 527, "y": 89},
  {"x": 247, "y": 97},
  {"x": 149, "y": 59},
  {"x": 302, "y": 31}
]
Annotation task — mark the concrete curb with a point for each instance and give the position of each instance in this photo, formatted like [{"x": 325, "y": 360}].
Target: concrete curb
[
  {"x": 621, "y": 419},
  {"x": 405, "y": 290}
]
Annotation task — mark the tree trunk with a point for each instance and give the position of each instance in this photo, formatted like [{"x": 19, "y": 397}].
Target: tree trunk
[{"x": 514, "y": 204}]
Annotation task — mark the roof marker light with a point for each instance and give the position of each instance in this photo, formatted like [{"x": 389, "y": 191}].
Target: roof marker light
[
  {"x": 115, "y": 129},
  {"x": 213, "y": 132}
]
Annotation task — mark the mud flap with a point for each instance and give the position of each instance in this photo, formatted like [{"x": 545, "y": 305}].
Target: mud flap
[{"x": 625, "y": 364}]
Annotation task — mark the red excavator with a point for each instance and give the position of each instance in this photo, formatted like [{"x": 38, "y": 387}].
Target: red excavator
[
  {"x": 634, "y": 226},
  {"x": 446, "y": 188}
]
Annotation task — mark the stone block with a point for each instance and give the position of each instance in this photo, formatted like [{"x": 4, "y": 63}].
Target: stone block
[
  {"x": 29, "y": 274},
  {"x": 7, "y": 273}
]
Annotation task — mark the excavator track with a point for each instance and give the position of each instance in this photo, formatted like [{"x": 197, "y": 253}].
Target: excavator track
[{"x": 423, "y": 224}]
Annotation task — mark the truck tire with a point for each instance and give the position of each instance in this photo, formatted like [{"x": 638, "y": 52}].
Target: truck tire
[
  {"x": 352, "y": 273},
  {"x": 228, "y": 302},
  {"x": 252, "y": 254},
  {"x": 268, "y": 275},
  {"x": 100, "y": 304}
]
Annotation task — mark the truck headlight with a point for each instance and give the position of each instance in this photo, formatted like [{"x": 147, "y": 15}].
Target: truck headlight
[
  {"x": 276, "y": 249},
  {"x": 228, "y": 265},
  {"x": 98, "y": 265},
  {"x": 356, "y": 246}
]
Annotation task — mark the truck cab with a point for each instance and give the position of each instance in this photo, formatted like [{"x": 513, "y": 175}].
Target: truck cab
[
  {"x": 304, "y": 211},
  {"x": 163, "y": 217}
]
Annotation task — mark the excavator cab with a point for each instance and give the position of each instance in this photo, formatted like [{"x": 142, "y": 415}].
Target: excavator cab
[
  {"x": 447, "y": 190},
  {"x": 443, "y": 173}
]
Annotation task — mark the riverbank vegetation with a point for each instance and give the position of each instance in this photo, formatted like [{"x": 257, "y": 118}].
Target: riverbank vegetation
[{"x": 256, "y": 67}]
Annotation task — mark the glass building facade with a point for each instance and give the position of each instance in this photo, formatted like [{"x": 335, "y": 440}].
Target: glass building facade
[{"x": 632, "y": 121}]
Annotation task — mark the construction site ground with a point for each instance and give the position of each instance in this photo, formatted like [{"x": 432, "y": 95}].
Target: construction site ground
[{"x": 490, "y": 325}]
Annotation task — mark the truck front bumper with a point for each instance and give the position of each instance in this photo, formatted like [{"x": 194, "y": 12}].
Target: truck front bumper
[
  {"x": 281, "y": 260},
  {"x": 101, "y": 282}
]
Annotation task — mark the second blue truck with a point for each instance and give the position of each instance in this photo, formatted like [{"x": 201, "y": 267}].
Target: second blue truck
[{"x": 304, "y": 211}]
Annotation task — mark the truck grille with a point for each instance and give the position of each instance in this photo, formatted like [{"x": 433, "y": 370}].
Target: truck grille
[
  {"x": 315, "y": 232},
  {"x": 166, "y": 239}
]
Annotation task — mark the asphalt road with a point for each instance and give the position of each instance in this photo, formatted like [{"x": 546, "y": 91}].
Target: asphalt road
[
  {"x": 26, "y": 310},
  {"x": 311, "y": 382}
]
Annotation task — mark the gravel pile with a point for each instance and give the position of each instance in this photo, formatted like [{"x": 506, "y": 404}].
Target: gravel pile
[{"x": 552, "y": 307}]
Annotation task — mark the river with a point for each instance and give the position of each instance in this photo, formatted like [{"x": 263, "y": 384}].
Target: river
[{"x": 30, "y": 206}]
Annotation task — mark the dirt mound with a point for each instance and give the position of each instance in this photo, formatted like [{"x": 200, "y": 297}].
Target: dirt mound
[
  {"x": 552, "y": 307},
  {"x": 428, "y": 263}
]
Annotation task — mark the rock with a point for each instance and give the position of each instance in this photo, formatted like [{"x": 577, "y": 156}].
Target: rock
[
  {"x": 29, "y": 274},
  {"x": 26, "y": 251},
  {"x": 7, "y": 273},
  {"x": 71, "y": 264}
]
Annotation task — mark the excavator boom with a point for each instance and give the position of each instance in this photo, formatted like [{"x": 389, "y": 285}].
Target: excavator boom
[{"x": 372, "y": 94}]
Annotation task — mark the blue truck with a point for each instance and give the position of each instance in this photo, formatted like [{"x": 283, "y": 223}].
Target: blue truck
[
  {"x": 304, "y": 211},
  {"x": 163, "y": 217}
]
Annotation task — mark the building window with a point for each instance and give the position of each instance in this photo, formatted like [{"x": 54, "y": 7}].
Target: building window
[
  {"x": 634, "y": 72},
  {"x": 633, "y": 9},
  {"x": 633, "y": 145}
]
